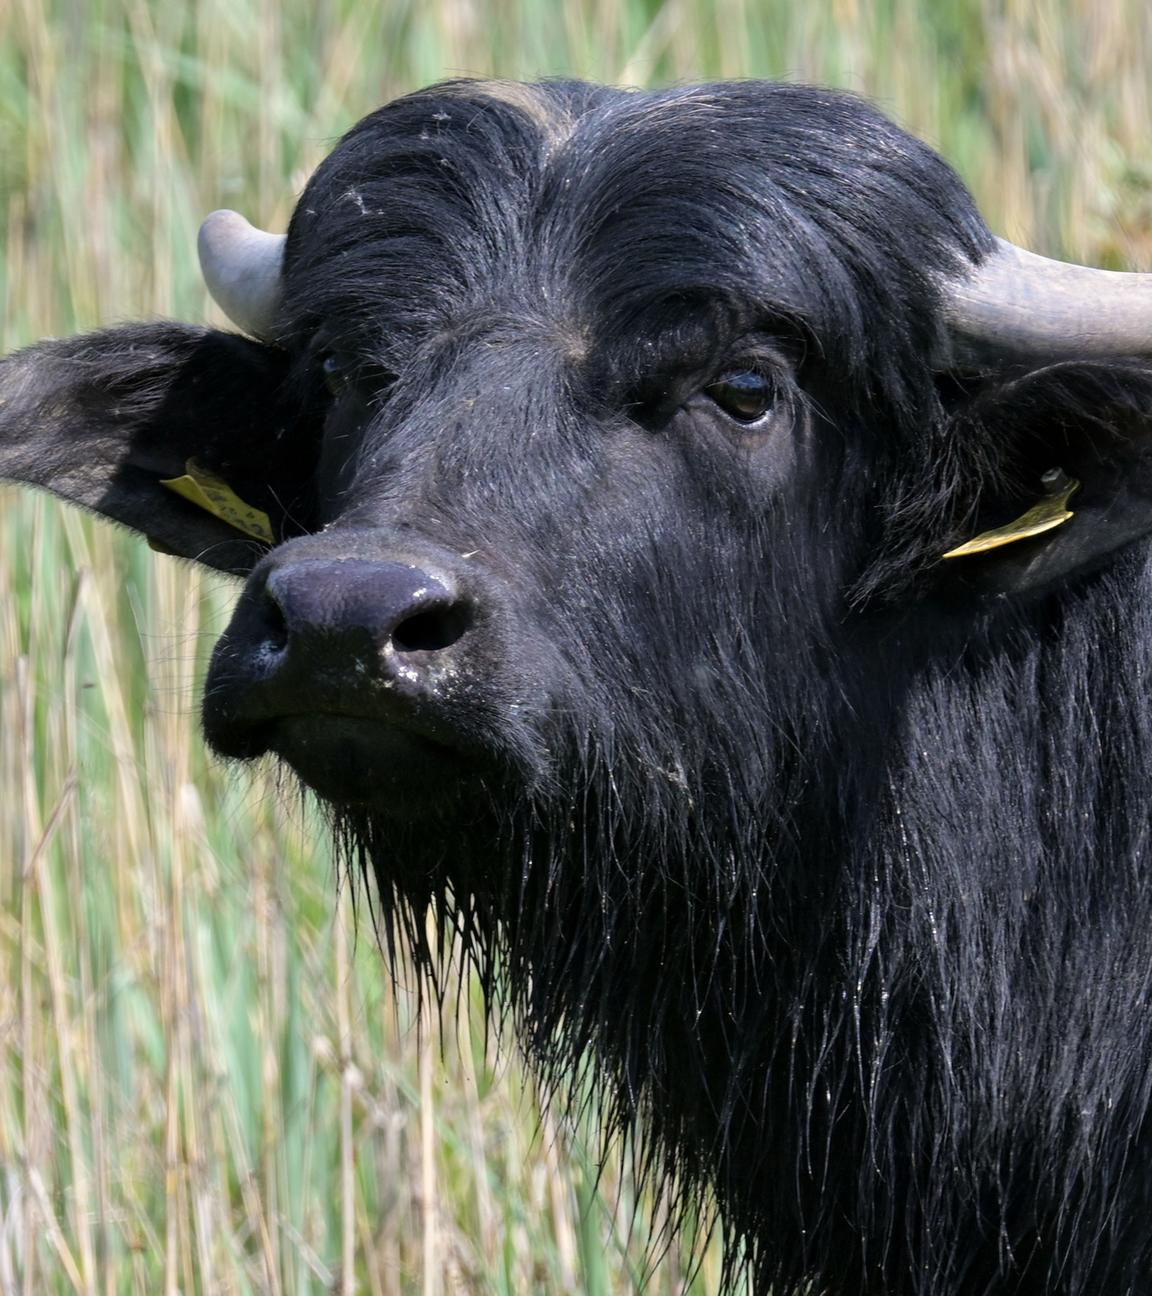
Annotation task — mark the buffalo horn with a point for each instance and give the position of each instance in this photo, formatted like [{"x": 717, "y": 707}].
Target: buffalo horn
[
  {"x": 242, "y": 266},
  {"x": 1021, "y": 305}
]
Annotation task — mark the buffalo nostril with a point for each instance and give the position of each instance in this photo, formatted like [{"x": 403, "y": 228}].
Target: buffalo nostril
[
  {"x": 432, "y": 631},
  {"x": 274, "y": 631}
]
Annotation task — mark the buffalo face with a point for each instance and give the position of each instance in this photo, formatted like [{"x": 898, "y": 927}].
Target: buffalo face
[{"x": 555, "y": 468}]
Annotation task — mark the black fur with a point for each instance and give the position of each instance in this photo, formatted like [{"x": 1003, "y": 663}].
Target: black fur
[{"x": 828, "y": 864}]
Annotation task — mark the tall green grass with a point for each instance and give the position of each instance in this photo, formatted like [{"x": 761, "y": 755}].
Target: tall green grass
[{"x": 207, "y": 1083}]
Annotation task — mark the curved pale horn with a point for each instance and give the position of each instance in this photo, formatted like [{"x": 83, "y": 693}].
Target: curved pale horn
[
  {"x": 1019, "y": 305},
  {"x": 242, "y": 266}
]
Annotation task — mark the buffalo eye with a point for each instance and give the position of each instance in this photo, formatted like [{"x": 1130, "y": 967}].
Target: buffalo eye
[
  {"x": 337, "y": 371},
  {"x": 744, "y": 395}
]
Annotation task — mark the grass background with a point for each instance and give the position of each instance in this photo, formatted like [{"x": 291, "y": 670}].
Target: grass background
[{"x": 207, "y": 1083}]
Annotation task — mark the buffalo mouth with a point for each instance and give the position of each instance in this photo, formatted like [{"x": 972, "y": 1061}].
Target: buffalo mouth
[{"x": 365, "y": 763}]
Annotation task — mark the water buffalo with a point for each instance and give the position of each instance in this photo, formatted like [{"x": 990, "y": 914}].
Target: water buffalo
[{"x": 591, "y": 459}]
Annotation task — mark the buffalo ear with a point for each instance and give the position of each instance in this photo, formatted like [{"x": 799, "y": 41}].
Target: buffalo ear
[
  {"x": 104, "y": 419},
  {"x": 1092, "y": 423}
]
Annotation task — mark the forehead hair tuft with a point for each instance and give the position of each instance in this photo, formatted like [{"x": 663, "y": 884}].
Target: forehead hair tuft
[{"x": 548, "y": 112}]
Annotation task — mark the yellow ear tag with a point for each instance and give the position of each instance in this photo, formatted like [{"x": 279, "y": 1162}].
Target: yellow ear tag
[
  {"x": 1052, "y": 511},
  {"x": 215, "y": 496}
]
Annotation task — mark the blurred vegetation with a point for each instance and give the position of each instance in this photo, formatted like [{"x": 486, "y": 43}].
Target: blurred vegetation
[{"x": 207, "y": 1083}]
